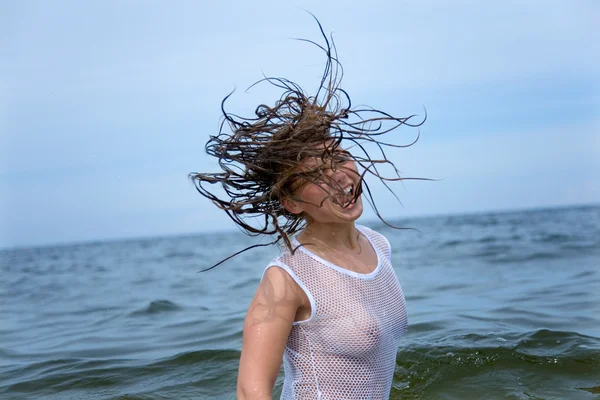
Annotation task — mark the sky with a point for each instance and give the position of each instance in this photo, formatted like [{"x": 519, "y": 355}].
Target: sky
[{"x": 105, "y": 106}]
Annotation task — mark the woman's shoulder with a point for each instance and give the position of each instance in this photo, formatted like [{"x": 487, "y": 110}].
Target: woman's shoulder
[
  {"x": 290, "y": 256},
  {"x": 282, "y": 280},
  {"x": 379, "y": 241},
  {"x": 370, "y": 231}
]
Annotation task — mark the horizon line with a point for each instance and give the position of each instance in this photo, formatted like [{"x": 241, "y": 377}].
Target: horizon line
[{"x": 233, "y": 230}]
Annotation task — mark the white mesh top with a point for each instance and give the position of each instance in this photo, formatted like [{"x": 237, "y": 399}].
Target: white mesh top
[{"x": 347, "y": 348}]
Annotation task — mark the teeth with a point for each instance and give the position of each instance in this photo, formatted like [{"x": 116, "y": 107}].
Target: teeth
[{"x": 348, "y": 190}]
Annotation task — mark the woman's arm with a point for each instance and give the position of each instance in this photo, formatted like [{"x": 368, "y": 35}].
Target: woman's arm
[{"x": 266, "y": 328}]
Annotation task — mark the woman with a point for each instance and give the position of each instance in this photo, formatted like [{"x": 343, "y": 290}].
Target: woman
[{"x": 330, "y": 304}]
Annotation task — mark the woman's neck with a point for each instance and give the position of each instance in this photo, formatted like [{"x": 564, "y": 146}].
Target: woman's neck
[{"x": 338, "y": 236}]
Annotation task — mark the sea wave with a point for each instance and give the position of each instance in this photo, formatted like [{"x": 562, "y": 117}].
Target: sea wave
[
  {"x": 458, "y": 366},
  {"x": 450, "y": 365},
  {"x": 156, "y": 307}
]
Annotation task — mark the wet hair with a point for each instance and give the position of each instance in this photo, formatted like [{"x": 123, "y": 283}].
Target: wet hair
[{"x": 261, "y": 156}]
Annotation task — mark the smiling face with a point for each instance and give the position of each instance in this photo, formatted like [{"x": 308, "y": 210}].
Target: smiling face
[{"x": 327, "y": 190}]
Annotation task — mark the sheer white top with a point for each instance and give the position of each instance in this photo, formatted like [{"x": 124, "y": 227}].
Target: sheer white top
[{"x": 347, "y": 348}]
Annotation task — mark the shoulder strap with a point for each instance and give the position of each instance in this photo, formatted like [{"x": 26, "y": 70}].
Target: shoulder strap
[
  {"x": 380, "y": 242},
  {"x": 276, "y": 262}
]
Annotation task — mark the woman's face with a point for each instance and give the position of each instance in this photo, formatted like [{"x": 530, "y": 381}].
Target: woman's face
[{"x": 332, "y": 193}]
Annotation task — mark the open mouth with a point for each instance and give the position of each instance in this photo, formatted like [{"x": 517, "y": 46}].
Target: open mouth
[{"x": 347, "y": 196}]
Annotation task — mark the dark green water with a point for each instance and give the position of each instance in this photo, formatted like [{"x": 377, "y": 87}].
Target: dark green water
[{"x": 501, "y": 306}]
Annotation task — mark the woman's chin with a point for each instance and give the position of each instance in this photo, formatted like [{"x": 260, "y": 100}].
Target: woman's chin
[{"x": 351, "y": 212}]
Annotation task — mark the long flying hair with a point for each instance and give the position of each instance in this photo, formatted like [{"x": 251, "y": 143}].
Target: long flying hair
[{"x": 260, "y": 156}]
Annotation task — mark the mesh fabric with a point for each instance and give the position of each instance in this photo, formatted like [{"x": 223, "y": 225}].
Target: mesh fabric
[{"x": 347, "y": 348}]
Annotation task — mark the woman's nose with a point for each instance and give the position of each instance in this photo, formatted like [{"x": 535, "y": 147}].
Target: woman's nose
[{"x": 341, "y": 178}]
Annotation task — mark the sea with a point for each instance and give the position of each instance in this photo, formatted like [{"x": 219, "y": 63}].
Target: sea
[{"x": 501, "y": 305}]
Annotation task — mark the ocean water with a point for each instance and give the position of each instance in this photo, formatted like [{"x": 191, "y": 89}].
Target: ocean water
[{"x": 500, "y": 306}]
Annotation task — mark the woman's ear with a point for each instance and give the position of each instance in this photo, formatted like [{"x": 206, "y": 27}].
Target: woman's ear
[{"x": 291, "y": 205}]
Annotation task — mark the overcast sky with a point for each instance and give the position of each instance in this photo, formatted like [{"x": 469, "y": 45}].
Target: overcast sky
[{"x": 105, "y": 106}]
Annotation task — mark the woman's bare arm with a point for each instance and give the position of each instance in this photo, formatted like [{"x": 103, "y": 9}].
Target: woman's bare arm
[{"x": 266, "y": 328}]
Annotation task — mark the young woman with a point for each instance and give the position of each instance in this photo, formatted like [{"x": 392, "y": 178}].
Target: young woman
[{"x": 330, "y": 304}]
